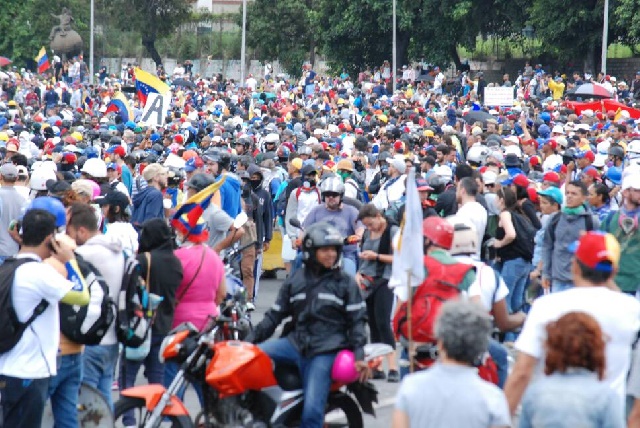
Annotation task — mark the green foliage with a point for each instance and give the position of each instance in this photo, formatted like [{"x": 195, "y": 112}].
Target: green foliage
[{"x": 280, "y": 29}]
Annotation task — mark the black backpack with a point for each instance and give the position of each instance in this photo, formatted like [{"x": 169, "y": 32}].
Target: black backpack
[
  {"x": 134, "y": 316},
  {"x": 11, "y": 329},
  {"x": 88, "y": 324}
]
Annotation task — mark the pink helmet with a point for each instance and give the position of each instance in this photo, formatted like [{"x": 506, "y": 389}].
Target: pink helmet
[{"x": 344, "y": 367}]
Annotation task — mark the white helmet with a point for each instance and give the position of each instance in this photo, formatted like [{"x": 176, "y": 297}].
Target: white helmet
[
  {"x": 40, "y": 177},
  {"x": 332, "y": 184},
  {"x": 465, "y": 236},
  {"x": 477, "y": 154},
  {"x": 95, "y": 167},
  {"x": 633, "y": 149}
]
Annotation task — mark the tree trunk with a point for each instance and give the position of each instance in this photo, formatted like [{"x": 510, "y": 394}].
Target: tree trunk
[
  {"x": 589, "y": 61},
  {"x": 402, "y": 48},
  {"x": 149, "y": 42},
  {"x": 312, "y": 52},
  {"x": 455, "y": 57}
]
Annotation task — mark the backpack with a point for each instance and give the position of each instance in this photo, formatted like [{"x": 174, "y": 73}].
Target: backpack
[
  {"x": 395, "y": 210},
  {"x": 280, "y": 199},
  {"x": 441, "y": 284},
  {"x": 11, "y": 329},
  {"x": 88, "y": 324},
  {"x": 134, "y": 316},
  {"x": 525, "y": 235}
]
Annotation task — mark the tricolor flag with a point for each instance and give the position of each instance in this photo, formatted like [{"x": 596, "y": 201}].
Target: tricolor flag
[
  {"x": 186, "y": 217},
  {"x": 120, "y": 105},
  {"x": 408, "y": 257},
  {"x": 146, "y": 83},
  {"x": 43, "y": 60}
]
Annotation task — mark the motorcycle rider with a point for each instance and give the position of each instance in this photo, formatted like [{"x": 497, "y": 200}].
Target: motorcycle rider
[{"x": 328, "y": 315}]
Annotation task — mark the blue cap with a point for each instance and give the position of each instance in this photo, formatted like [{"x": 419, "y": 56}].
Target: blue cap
[
  {"x": 130, "y": 125},
  {"x": 112, "y": 165},
  {"x": 190, "y": 165},
  {"x": 554, "y": 193},
  {"x": 154, "y": 137}
]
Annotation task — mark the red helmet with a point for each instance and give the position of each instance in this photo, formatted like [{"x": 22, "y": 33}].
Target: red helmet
[{"x": 439, "y": 231}]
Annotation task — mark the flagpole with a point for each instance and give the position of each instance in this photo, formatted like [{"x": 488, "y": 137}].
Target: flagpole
[
  {"x": 409, "y": 328},
  {"x": 91, "y": 70}
]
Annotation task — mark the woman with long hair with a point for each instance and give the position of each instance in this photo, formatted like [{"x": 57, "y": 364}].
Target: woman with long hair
[
  {"x": 513, "y": 249},
  {"x": 572, "y": 394}
]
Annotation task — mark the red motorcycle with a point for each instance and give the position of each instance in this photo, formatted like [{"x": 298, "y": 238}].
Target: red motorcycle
[{"x": 241, "y": 386}]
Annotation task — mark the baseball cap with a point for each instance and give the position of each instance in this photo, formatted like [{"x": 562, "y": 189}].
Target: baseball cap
[
  {"x": 422, "y": 185},
  {"x": 297, "y": 163},
  {"x": 398, "y": 164},
  {"x": 54, "y": 186},
  {"x": 113, "y": 166},
  {"x": 489, "y": 177},
  {"x": 118, "y": 150},
  {"x": 114, "y": 198},
  {"x": 591, "y": 172},
  {"x": 518, "y": 179},
  {"x": 554, "y": 193},
  {"x": 193, "y": 164},
  {"x": 588, "y": 154},
  {"x": 632, "y": 181},
  {"x": 9, "y": 170},
  {"x": 552, "y": 177},
  {"x": 597, "y": 250},
  {"x": 153, "y": 170}
]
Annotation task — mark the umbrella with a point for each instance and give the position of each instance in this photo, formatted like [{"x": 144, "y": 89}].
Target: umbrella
[
  {"x": 591, "y": 90},
  {"x": 183, "y": 82},
  {"x": 4, "y": 61},
  {"x": 477, "y": 116}
]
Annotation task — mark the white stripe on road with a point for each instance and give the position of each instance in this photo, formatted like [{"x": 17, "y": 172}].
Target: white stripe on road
[{"x": 336, "y": 415}]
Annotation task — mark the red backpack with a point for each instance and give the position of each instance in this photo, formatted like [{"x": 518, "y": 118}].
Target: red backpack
[{"x": 441, "y": 284}]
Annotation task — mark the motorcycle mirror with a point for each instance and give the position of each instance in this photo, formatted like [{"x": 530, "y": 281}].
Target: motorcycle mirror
[
  {"x": 240, "y": 220},
  {"x": 295, "y": 223}
]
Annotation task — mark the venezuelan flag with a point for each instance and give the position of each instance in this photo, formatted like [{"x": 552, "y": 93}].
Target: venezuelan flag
[
  {"x": 146, "y": 83},
  {"x": 43, "y": 60},
  {"x": 120, "y": 105},
  {"x": 186, "y": 217}
]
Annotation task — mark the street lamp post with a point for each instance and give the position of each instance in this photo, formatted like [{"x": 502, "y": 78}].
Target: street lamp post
[
  {"x": 605, "y": 34},
  {"x": 91, "y": 45},
  {"x": 244, "y": 42},
  {"x": 394, "y": 64}
]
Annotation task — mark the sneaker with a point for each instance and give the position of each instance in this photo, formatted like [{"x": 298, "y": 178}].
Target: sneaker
[
  {"x": 393, "y": 376},
  {"x": 115, "y": 386},
  {"x": 378, "y": 375},
  {"x": 251, "y": 307}
]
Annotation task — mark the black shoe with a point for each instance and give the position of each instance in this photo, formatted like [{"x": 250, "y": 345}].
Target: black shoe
[
  {"x": 378, "y": 375},
  {"x": 393, "y": 376}
]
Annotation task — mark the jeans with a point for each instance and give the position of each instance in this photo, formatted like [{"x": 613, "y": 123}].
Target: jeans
[
  {"x": 515, "y": 274},
  {"x": 316, "y": 377},
  {"x": 22, "y": 401},
  {"x": 499, "y": 355},
  {"x": 153, "y": 371},
  {"x": 558, "y": 286},
  {"x": 99, "y": 362},
  {"x": 170, "y": 372},
  {"x": 64, "y": 389}
]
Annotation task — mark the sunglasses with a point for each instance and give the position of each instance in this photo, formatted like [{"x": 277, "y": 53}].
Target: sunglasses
[{"x": 331, "y": 194}]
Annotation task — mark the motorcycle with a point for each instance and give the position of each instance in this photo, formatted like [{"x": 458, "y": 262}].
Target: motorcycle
[{"x": 241, "y": 387}]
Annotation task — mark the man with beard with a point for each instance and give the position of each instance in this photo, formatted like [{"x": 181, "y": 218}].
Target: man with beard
[{"x": 147, "y": 204}]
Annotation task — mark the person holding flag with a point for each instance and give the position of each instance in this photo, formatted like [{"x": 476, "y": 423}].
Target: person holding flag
[{"x": 43, "y": 60}]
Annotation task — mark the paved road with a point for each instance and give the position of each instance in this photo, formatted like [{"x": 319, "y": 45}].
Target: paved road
[{"x": 267, "y": 295}]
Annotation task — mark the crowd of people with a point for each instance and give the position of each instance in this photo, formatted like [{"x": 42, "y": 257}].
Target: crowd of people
[{"x": 533, "y": 208}]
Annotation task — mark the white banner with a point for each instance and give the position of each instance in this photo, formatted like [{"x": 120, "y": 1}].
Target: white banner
[
  {"x": 155, "y": 110},
  {"x": 499, "y": 96}
]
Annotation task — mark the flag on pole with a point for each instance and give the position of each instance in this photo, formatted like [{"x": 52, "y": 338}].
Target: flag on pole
[
  {"x": 408, "y": 255},
  {"x": 146, "y": 83},
  {"x": 43, "y": 60},
  {"x": 186, "y": 217}
]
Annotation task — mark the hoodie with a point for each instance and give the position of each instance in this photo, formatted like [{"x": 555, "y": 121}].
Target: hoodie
[
  {"x": 105, "y": 253},
  {"x": 230, "y": 195},
  {"x": 166, "y": 269},
  {"x": 147, "y": 204}
]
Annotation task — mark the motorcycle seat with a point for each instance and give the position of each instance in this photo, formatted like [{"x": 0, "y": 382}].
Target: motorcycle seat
[{"x": 288, "y": 377}]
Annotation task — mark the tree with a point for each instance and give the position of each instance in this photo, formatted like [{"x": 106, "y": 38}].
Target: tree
[
  {"x": 153, "y": 19},
  {"x": 281, "y": 29}
]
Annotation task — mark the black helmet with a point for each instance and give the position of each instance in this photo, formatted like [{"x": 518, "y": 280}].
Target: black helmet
[
  {"x": 211, "y": 155},
  {"x": 616, "y": 151},
  {"x": 512, "y": 161},
  {"x": 321, "y": 235},
  {"x": 225, "y": 161},
  {"x": 200, "y": 181}
]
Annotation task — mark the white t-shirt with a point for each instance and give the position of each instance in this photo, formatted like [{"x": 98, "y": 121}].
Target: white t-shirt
[
  {"x": 476, "y": 214},
  {"x": 124, "y": 233},
  {"x": 484, "y": 286},
  {"x": 34, "y": 356},
  {"x": 617, "y": 313},
  {"x": 551, "y": 162}
]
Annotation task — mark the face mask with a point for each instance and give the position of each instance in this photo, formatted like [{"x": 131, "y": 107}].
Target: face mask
[
  {"x": 343, "y": 174},
  {"x": 246, "y": 190},
  {"x": 255, "y": 184}
]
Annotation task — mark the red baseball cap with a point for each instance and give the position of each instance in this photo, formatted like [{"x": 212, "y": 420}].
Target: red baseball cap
[{"x": 551, "y": 177}]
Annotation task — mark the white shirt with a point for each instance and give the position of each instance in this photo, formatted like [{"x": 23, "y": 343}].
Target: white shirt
[
  {"x": 251, "y": 84},
  {"x": 484, "y": 286},
  {"x": 34, "y": 356},
  {"x": 476, "y": 214},
  {"x": 551, "y": 162},
  {"x": 390, "y": 193},
  {"x": 617, "y": 313}
]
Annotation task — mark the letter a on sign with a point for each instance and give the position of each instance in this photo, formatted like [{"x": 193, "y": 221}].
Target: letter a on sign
[{"x": 155, "y": 110}]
